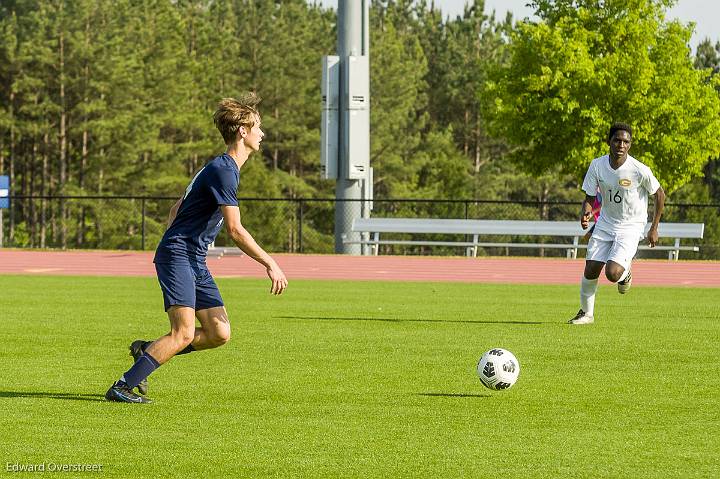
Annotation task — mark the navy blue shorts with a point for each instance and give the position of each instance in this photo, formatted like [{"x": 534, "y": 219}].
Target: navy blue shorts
[{"x": 188, "y": 285}]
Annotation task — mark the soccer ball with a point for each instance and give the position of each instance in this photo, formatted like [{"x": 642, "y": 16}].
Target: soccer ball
[{"x": 498, "y": 369}]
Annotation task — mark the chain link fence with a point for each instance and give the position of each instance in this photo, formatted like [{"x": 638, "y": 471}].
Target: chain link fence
[{"x": 300, "y": 225}]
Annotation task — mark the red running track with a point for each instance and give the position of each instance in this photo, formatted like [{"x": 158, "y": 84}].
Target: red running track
[{"x": 390, "y": 268}]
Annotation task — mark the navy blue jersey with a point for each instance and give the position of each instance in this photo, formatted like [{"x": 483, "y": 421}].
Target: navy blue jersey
[{"x": 199, "y": 219}]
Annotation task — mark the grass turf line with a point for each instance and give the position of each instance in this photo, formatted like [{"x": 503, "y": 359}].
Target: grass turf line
[{"x": 366, "y": 379}]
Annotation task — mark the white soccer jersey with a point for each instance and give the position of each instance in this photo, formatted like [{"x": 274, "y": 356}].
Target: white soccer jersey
[{"x": 624, "y": 193}]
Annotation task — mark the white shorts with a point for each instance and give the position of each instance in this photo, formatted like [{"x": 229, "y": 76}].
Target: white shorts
[{"x": 619, "y": 247}]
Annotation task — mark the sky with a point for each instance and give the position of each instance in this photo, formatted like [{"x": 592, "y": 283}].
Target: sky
[{"x": 704, "y": 13}]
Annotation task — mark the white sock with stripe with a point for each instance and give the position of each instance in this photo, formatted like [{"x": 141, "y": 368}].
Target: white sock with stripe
[{"x": 588, "y": 288}]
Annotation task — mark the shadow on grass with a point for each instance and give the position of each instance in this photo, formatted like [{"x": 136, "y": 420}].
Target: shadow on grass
[
  {"x": 396, "y": 320},
  {"x": 46, "y": 395},
  {"x": 455, "y": 395}
]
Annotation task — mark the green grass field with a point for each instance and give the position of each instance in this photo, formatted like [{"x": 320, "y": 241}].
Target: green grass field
[{"x": 366, "y": 379}]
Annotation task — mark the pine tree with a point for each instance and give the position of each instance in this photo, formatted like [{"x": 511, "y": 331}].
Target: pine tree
[{"x": 398, "y": 102}]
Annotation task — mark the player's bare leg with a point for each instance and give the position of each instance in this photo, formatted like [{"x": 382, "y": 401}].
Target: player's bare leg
[
  {"x": 181, "y": 335},
  {"x": 214, "y": 330},
  {"x": 593, "y": 269},
  {"x": 613, "y": 271}
]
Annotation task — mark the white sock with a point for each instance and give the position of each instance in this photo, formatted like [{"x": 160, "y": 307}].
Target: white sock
[
  {"x": 588, "y": 288},
  {"x": 624, "y": 275}
]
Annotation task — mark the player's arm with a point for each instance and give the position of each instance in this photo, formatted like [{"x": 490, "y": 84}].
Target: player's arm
[
  {"x": 173, "y": 212},
  {"x": 652, "y": 235},
  {"x": 244, "y": 240},
  {"x": 586, "y": 211}
]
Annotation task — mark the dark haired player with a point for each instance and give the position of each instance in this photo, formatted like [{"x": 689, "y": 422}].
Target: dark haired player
[{"x": 625, "y": 185}]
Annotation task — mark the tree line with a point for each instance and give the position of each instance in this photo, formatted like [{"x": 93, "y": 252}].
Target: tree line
[{"x": 102, "y": 97}]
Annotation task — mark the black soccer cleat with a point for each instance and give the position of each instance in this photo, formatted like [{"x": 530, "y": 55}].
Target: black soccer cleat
[
  {"x": 136, "y": 350},
  {"x": 120, "y": 392}
]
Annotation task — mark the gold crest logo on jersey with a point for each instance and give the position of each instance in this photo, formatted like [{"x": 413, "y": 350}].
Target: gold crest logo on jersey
[{"x": 625, "y": 182}]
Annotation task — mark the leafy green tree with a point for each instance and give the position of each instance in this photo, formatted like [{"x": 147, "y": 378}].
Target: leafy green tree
[{"x": 585, "y": 65}]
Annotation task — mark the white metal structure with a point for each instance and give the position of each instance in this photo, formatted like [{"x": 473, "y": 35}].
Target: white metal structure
[{"x": 478, "y": 228}]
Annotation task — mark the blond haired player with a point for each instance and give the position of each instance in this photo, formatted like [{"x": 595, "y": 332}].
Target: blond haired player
[{"x": 188, "y": 288}]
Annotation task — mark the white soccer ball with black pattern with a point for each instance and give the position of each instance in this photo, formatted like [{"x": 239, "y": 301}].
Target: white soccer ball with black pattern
[{"x": 498, "y": 369}]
